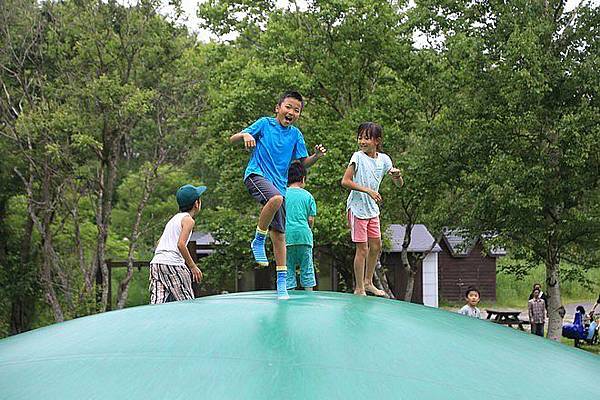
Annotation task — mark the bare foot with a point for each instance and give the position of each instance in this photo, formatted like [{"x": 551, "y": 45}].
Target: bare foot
[
  {"x": 360, "y": 293},
  {"x": 369, "y": 287}
]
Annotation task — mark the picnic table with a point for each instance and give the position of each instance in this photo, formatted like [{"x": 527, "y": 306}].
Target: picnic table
[{"x": 509, "y": 318}]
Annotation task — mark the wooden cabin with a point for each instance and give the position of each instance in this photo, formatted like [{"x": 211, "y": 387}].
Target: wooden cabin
[{"x": 462, "y": 263}]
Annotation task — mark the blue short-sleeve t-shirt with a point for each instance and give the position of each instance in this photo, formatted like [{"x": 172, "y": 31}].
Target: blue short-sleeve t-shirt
[
  {"x": 276, "y": 147},
  {"x": 299, "y": 205}
]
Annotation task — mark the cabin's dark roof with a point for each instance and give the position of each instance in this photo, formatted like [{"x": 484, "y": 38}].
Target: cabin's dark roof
[{"x": 462, "y": 245}]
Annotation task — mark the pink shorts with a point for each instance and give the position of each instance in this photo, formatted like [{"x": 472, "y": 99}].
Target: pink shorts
[{"x": 362, "y": 230}]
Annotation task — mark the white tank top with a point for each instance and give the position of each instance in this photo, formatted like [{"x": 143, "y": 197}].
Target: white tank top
[{"x": 166, "y": 251}]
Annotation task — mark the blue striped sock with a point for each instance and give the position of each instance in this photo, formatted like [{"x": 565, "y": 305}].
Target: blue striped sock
[
  {"x": 282, "y": 292},
  {"x": 258, "y": 248}
]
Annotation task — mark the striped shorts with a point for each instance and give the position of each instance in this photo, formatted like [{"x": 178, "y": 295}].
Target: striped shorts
[{"x": 170, "y": 283}]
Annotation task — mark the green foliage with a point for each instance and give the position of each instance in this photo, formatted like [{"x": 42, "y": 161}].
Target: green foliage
[
  {"x": 160, "y": 208},
  {"x": 349, "y": 60},
  {"x": 18, "y": 277},
  {"x": 513, "y": 291},
  {"x": 96, "y": 95}
]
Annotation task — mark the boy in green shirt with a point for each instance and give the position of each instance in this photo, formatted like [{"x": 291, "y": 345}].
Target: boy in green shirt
[{"x": 300, "y": 209}]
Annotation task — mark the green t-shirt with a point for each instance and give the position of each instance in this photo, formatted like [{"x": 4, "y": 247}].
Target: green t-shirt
[{"x": 299, "y": 205}]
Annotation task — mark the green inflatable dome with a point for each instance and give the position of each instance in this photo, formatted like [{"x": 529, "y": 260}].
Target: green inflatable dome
[{"x": 320, "y": 345}]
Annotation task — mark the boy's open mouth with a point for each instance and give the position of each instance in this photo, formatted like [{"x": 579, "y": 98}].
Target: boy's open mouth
[{"x": 289, "y": 119}]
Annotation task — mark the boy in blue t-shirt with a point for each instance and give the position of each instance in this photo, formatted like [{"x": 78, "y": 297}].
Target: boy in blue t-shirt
[
  {"x": 301, "y": 210},
  {"x": 275, "y": 143}
]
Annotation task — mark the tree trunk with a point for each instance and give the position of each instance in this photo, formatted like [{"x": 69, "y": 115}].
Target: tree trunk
[
  {"x": 106, "y": 179},
  {"x": 552, "y": 215},
  {"x": 43, "y": 222},
  {"x": 408, "y": 269},
  {"x": 555, "y": 319},
  {"x": 381, "y": 280},
  {"x": 410, "y": 285},
  {"x": 46, "y": 275},
  {"x": 149, "y": 185},
  {"x": 23, "y": 307}
]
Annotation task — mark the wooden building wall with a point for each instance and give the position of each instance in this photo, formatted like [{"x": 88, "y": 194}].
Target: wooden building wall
[{"x": 456, "y": 274}]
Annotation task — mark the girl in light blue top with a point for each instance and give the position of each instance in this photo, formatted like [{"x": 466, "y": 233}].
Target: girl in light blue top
[{"x": 363, "y": 176}]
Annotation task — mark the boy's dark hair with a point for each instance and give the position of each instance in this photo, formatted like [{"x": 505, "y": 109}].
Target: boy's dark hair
[
  {"x": 370, "y": 130},
  {"x": 187, "y": 208},
  {"x": 296, "y": 173},
  {"x": 293, "y": 95},
  {"x": 536, "y": 284},
  {"x": 580, "y": 309},
  {"x": 472, "y": 289}
]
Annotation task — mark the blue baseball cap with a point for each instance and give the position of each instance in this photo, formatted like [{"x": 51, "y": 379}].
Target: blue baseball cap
[{"x": 188, "y": 194}]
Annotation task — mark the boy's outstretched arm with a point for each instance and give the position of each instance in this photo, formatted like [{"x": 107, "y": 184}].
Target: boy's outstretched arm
[
  {"x": 348, "y": 183},
  {"x": 187, "y": 224},
  {"x": 320, "y": 151},
  {"x": 249, "y": 141},
  {"x": 396, "y": 175}
]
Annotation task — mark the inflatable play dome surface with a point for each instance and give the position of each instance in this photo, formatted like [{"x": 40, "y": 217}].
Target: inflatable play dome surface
[{"x": 319, "y": 345}]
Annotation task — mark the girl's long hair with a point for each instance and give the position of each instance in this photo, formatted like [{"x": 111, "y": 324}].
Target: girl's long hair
[{"x": 371, "y": 130}]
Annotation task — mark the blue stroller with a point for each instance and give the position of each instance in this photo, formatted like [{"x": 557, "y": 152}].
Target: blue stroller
[{"x": 580, "y": 331}]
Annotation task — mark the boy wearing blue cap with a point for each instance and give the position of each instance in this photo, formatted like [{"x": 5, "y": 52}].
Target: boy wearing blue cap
[
  {"x": 275, "y": 143},
  {"x": 172, "y": 269}
]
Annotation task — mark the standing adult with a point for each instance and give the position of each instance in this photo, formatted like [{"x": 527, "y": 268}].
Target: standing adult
[
  {"x": 542, "y": 294},
  {"x": 537, "y": 313}
]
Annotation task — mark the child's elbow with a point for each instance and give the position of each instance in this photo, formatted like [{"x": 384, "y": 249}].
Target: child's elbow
[{"x": 344, "y": 182}]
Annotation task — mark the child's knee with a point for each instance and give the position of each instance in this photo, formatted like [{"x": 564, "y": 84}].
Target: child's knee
[
  {"x": 276, "y": 201},
  {"x": 362, "y": 249},
  {"x": 375, "y": 246},
  {"x": 277, "y": 237}
]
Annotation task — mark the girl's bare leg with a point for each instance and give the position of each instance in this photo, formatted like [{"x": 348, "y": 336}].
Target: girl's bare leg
[{"x": 359, "y": 268}]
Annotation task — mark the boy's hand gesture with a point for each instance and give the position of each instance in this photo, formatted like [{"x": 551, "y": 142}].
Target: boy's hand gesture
[
  {"x": 396, "y": 175},
  {"x": 320, "y": 151},
  {"x": 196, "y": 274},
  {"x": 249, "y": 142}
]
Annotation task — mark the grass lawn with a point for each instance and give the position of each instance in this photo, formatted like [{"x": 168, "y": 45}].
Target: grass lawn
[
  {"x": 592, "y": 349},
  {"x": 512, "y": 292}
]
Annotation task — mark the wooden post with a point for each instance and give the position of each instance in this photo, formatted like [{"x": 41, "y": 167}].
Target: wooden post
[
  {"x": 98, "y": 288},
  {"x": 334, "y": 277},
  {"x": 109, "y": 302}
]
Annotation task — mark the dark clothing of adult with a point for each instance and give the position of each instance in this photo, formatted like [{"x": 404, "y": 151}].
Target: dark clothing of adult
[{"x": 537, "y": 329}]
